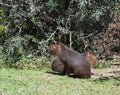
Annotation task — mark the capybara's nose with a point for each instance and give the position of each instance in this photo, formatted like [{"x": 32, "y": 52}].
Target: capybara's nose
[{"x": 50, "y": 50}]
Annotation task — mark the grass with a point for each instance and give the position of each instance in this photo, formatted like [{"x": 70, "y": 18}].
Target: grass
[{"x": 31, "y": 82}]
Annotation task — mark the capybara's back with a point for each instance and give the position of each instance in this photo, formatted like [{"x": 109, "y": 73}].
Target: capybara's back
[{"x": 73, "y": 61}]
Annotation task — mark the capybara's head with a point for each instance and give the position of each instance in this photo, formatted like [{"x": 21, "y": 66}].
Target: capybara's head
[
  {"x": 54, "y": 48},
  {"x": 92, "y": 59}
]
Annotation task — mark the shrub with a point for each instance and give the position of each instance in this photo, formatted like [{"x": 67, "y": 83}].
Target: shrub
[
  {"x": 36, "y": 63},
  {"x": 18, "y": 49}
]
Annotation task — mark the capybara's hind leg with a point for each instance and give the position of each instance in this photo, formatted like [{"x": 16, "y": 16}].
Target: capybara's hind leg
[
  {"x": 77, "y": 74},
  {"x": 81, "y": 74},
  {"x": 86, "y": 76}
]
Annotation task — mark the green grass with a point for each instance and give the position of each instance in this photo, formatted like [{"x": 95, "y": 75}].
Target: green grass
[{"x": 31, "y": 82}]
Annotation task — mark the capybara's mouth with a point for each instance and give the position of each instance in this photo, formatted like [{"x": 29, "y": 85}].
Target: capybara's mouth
[{"x": 50, "y": 51}]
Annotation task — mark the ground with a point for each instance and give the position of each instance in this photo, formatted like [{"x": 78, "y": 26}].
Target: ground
[{"x": 31, "y": 82}]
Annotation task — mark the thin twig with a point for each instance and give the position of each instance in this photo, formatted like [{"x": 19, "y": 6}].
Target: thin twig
[
  {"x": 51, "y": 36},
  {"x": 6, "y": 5},
  {"x": 11, "y": 3},
  {"x": 10, "y": 6},
  {"x": 88, "y": 35}
]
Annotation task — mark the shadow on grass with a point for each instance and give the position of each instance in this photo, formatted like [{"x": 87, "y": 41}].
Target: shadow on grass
[
  {"x": 55, "y": 73},
  {"x": 60, "y": 74},
  {"x": 99, "y": 78}
]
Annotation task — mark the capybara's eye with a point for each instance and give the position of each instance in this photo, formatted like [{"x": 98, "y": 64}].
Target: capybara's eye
[
  {"x": 52, "y": 46},
  {"x": 57, "y": 43}
]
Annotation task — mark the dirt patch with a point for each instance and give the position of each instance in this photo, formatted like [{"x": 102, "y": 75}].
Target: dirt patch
[
  {"x": 114, "y": 73},
  {"x": 107, "y": 73}
]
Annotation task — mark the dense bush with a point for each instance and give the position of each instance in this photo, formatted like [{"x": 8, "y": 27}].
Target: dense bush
[
  {"x": 2, "y": 27},
  {"x": 31, "y": 25},
  {"x": 94, "y": 15}
]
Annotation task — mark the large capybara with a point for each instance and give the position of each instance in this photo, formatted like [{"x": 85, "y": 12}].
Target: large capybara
[
  {"x": 58, "y": 66},
  {"x": 73, "y": 61}
]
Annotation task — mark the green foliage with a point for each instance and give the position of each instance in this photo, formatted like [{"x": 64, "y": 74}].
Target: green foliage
[
  {"x": 103, "y": 64},
  {"x": 2, "y": 27},
  {"x": 93, "y": 12},
  {"x": 13, "y": 49},
  {"x": 1, "y": 13},
  {"x": 1, "y": 57},
  {"x": 18, "y": 51},
  {"x": 52, "y": 4},
  {"x": 30, "y": 62}
]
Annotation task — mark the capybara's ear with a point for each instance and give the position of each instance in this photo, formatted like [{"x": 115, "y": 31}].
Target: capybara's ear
[{"x": 58, "y": 43}]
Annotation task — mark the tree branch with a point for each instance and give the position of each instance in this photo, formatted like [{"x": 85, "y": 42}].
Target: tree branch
[
  {"x": 10, "y": 6},
  {"x": 6, "y": 5},
  {"x": 89, "y": 35}
]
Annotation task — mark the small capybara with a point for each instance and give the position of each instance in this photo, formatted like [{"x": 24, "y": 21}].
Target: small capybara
[
  {"x": 58, "y": 66},
  {"x": 92, "y": 59},
  {"x": 73, "y": 61}
]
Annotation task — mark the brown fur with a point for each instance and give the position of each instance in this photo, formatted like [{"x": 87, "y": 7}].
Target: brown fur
[
  {"x": 73, "y": 61},
  {"x": 91, "y": 58},
  {"x": 57, "y": 65}
]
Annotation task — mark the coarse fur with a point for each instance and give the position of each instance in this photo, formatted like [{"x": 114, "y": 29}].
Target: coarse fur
[
  {"x": 91, "y": 58},
  {"x": 73, "y": 61},
  {"x": 57, "y": 65}
]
